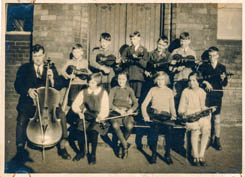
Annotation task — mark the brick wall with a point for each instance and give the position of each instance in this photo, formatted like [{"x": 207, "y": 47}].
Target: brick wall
[
  {"x": 200, "y": 20},
  {"x": 17, "y": 51},
  {"x": 58, "y": 27}
]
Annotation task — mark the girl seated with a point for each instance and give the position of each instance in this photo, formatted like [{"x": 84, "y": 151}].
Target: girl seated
[
  {"x": 122, "y": 101},
  {"x": 193, "y": 101},
  {"x": 162, "y": 107}
]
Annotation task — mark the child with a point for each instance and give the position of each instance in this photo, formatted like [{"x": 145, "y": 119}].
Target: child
[
  {"x": 78, "y": 65},
  {"x": 181, "y": 72},
  {"x": 214, "y": 74},
  {"x": 179, "y": 79},
  {"x": 102, "y": 53},
  {"x": 92, "y": 104},
  {"x": 193, "y": 101},
  {"x": 159, "y": 57},
  {"x": 122, "y": 101},
  {"x": 162, "y": 103},
  {"x": 77, "y": 70},
  {"x": 136, "y": 58}
]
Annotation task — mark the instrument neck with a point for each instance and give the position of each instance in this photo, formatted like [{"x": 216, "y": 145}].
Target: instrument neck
[{"x": 46, "y": 88}]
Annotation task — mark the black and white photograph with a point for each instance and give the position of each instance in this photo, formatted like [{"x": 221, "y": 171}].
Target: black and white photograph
[{"x": 152, "y": 88}]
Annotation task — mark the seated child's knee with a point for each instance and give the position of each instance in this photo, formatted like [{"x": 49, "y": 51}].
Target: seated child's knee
[
  {"x": 129, "y": 126},
  {"x": 115, "y": 125}
]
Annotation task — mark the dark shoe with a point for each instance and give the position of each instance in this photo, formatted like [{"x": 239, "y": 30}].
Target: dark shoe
[
  {"x": 153, "y": 159},
  {"x": 210, "y": 143},
  {"x": 195, "y": 162},
  {"x": 217, "y": 144},
  {"x": 168, "y": 160},
  {"x": 93, "y": 160},
  {"x": 202, "y": 162},
  {"x": 78, "y": 157},
  {"x": 125, "y": 153},
  {"x": 64, "y": 154}
]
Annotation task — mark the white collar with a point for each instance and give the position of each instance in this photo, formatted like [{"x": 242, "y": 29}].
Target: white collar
[
  {"x": 40, "y": 68},
  {"x": 215, "y": 64},
  {"x": 96, "y": 92},
  {"x": 136, "y": 47}
]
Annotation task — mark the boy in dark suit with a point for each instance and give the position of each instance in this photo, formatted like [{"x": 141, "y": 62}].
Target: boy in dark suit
[
  {"x": 135, "y": 58},
  {"x": 29, "y": 77},
  {"x": 214, "y": 75}
]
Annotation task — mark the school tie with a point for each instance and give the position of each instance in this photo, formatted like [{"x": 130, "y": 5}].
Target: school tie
[{"x": 39, "y": 75}]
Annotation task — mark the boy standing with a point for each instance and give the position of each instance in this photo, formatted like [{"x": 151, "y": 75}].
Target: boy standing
[
  {"x": 214, "y": 75},
  {"x": 135, "y": 58},
  {"x": 102, "y": 53},
  {"x": 159, "y": 57},
  {"x": 179, "y": 78}
]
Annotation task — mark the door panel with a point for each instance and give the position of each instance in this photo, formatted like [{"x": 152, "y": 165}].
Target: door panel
[{"x": 122, "y": 19}]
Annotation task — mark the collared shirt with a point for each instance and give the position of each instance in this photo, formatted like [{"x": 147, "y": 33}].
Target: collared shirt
[
  {"x": 40, "y": 69},
  {"x": 192, "y": 101}
]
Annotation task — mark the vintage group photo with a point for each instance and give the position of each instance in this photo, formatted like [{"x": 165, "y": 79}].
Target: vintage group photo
[{"x": 123, "y": 88}]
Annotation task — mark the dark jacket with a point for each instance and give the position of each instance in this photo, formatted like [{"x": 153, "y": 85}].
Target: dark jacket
[
  {"x": 26, "y": 78},
  {"x": 136, "y": 66},
  {"x": 213, "y": 76}
]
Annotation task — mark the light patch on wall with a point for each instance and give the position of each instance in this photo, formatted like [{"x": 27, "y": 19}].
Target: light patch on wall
[{"x": 229, "y": 26}]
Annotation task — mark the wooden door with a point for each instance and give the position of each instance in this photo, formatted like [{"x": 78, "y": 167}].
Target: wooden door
[{"x": 122, "y": 19}]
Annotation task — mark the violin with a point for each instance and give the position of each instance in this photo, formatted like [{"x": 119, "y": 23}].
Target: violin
[
  {"x": 81, "y": 73},
  {"x": 196, "y": 116},
  {"x": 154, "y": 66},
  {"x": 44, "y": 129},
  {"x": 109, "y": 60},
  {"x": 209, "y": 76},
  {"x": 179, "y": 60}
]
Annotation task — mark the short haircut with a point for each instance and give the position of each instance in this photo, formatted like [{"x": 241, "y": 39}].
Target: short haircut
[
  {"x": 185, "y": 36},
  {"x": 123, "y": 73},
  {"x": 37, "y": 47},
  {"x": 77, "y": 46},
  {"x": 197, "y": 74},
  {"x": 164, "y": 38},
  {"x": 161, "y": 73},
  {"x": 136, "y": 33},
  {"x": 97, "y": 77},
  {"x": 213, "y": 49},
  {"x": 105, "y": 36}
]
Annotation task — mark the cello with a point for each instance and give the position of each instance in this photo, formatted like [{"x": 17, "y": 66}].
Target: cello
[{"x": 44, "y": 129}]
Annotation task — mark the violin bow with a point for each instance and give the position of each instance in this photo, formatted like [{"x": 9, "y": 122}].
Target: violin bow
[
  {"x": 85, "y": 133},
  {"x": 64, "y": 104},
  {"x": 116, "y": 117},
  {"x": 41, "y": 126}
]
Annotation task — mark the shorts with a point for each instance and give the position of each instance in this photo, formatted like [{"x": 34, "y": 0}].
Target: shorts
[{"x": 213, "y": 100}]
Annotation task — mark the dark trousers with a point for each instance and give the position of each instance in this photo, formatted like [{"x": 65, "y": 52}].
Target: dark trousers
[
  {"x": 92, "y": 138},
  {"x": 153, "y": 137},
  {"x": 23, "y": 119}
]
